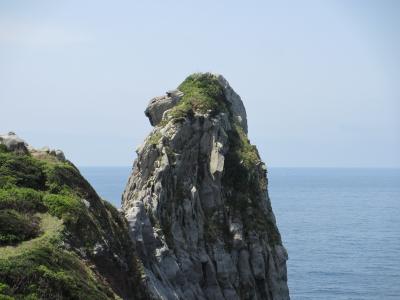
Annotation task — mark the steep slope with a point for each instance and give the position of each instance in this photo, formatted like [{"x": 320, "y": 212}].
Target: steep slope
[
  {"x": 58, "y": 239},
  {"x": 197, "y": 201}
]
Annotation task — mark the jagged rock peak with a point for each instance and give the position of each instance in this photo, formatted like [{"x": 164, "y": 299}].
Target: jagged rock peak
[
  {"x": 201, "y": 93},
  {"x": 197, "y": 202}
]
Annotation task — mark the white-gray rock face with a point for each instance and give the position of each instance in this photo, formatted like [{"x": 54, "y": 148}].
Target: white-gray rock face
[
  {"x": 18, "y": 145},
  {"x": 199, "y": 214},
  {"x": 237, "y": 107},
  {"x": 159, "y": 105},
  {"x": 14, "y": 143}
]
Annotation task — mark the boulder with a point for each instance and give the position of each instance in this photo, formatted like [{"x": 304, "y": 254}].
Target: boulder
[
  {"x": 159, "y": 105},
  {"x": 14, "y": 143}
]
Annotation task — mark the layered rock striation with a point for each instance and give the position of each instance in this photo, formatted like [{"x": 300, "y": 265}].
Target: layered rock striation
[{"x": 197, "y": 202}]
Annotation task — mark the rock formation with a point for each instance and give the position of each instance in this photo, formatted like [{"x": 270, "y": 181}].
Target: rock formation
[
  {"x": 197, "y": 202},
  {"x": 14, "y": 143}
]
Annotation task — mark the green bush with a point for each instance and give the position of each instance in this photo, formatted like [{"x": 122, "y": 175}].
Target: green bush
[
  {"x": 63, "y": 206},
  {"x": 21, "y": 199},
  {"x": 3, "y": 148},
  {"x": 62, "y": 177},
  {"x": 51, "y": 273},
  {"x": 21, "y": 170},
  {"x": 16, "y": 227},
  {"x": 4, "y": 288}
]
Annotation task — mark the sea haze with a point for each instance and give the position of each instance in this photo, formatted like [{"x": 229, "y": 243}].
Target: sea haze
[{"x": 341, "y": 227}]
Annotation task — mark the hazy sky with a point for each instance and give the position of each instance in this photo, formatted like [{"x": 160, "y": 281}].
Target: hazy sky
[{"x": 320, "y": 79}]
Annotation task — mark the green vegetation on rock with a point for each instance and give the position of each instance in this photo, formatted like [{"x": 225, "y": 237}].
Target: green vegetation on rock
[
  {"x": 202, "y": 93},
  {"x": 21, "y": 199},
  {"x": 20, "y": 170},
  {"x": 154, "y": 138},
  {"x": 246, "y": 183},
  {"x": 49, "y": 272},
  {"x": 51, "y": 221}
]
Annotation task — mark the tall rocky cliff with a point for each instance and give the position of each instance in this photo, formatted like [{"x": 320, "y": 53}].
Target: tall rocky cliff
[{"x": 197, "y": 202}]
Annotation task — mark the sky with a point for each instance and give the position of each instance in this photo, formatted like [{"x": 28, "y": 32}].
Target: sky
[{"x": 320, "y": 79}]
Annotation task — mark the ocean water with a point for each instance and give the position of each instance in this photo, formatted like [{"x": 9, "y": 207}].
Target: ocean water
[{"x": 341, "y": 228}]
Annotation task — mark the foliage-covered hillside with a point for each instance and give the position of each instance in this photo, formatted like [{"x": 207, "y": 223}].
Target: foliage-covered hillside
[{"x": 58, "y": 239}]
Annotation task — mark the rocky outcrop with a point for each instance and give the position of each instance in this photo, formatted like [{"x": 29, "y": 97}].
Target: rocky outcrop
[
  {"x": 159, "y": 105},
  {"x": 197, "y": 202},
  {"x": 13, "y": 143},
  {"x": 236, "y": 104}
]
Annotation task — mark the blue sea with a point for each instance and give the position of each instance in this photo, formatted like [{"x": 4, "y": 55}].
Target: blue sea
[{"x": 341, "y": 227}]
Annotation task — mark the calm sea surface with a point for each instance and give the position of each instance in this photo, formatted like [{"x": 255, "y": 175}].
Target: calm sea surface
[{"x": 341, "y": 227}]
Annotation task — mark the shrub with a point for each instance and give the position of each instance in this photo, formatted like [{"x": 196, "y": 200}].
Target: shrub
[
  {"x": 64, "y": 177},
  {"x": 63, "y": 206},
  {"x": 49, "y": 272},
  {"x": 21, "y": 199},
  {"x": 21, "y": 170},
  {"x": 3, "y": 148},
  {"x": 16, "y": 227}
]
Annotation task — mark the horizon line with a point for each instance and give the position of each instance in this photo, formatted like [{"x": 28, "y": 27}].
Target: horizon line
[{"x": 268, "y": 167}]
